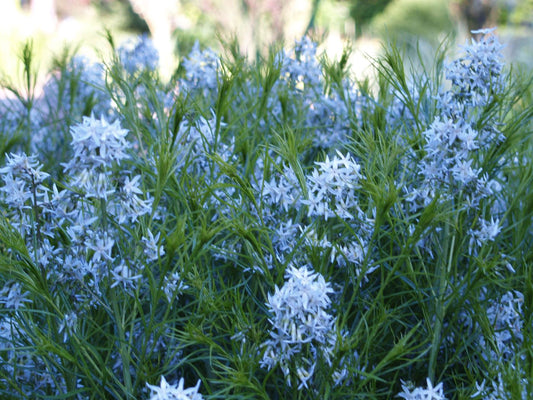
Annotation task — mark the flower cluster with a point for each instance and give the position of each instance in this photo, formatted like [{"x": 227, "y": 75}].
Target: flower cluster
[
  {"x": 487, "y": 231},
  {"x": 496, "y": 389},
  {"x": 23, "y": 188},
  {"x": 74, "y": 234},
  {"x": 99, "y": 147},
  {"x": 332, "y": 192},
  {"x": 326, "y": 112},
  {"x": 202, "y": 70},
  {"x": 453, "y": 167},
  {"x": 302, "y": 71},
  {"x": 476, "y": 76},
  {"x": 420, "y": 393},
  {"x": 332, "y": 188},
  {"x": 78, "y": 89},
  {"x": 450, "y": 164},
  {"x": 506, "y": 318},
  {"x": 39, "y": 212},
  {"x": 282, "y": 191},
  {"x": 166, "y": 391},
  {"x": 12, "y": 296},
  {"x": 138, "y": 55},
  {"x": 97, "y": 144},
  {"x": 23, "y": 180},
  {"x": 302, "y": 329}
]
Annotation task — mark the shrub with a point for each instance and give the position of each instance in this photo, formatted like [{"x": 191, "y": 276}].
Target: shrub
[{"x": 268, "y": 230}]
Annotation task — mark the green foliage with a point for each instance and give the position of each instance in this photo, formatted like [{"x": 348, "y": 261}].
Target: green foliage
[
  {"x": 412, "y": 20},
  {"x": 522, "y": 13},
  {"x": 121, "y": 12},
  {"x": 363, "y": 11}
]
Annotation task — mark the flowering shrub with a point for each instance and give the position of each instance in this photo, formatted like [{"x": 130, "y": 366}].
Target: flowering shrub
[{"x": 267, "y": 230}]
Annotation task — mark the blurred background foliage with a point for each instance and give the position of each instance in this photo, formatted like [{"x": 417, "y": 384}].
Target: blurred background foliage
[{"x": 175, "y": 25}]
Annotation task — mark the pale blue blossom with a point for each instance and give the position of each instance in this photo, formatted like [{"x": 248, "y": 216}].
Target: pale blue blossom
[
  {"x": 23, "y": 182},
  {"x": 68, "y": 325},
  {"x": 152, "y": 247},
  {"x": 166, "y": 391},
  {"x": 332, "y": 187},
  {"x": 101, "y": 246},
  {"x": 12, "y": 296},
  {"x": 422, "y": 393},
  {"x": 97, "y": 143},
  {"x": 124, "y": 276},
  {"x": 487, "y": 231},
  {"x": 173, "y": 286}
]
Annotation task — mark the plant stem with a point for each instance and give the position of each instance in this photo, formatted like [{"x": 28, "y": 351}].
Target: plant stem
[{"x": 440, "y": 306}]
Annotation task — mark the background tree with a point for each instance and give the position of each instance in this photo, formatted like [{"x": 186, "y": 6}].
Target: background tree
[
  {"x": 257, "y": 23},
  {"x": 475, "y": 14},
  {"x": 160, "y": 16},
  {"x": 363, "y": 11}
]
